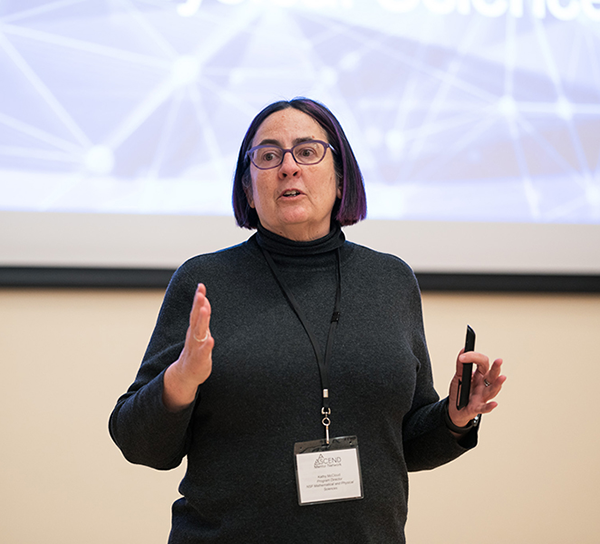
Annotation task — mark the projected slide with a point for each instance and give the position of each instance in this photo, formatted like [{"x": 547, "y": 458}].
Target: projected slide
[{"x": 458, "y": 110}]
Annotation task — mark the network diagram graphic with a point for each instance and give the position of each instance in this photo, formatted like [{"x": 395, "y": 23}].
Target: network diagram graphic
[{"x": 457, "y": 110}]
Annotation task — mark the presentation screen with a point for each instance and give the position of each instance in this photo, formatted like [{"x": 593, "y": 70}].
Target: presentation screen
[{"x": 476, "y": 124}]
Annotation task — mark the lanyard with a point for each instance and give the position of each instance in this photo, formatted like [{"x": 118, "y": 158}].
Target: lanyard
[{"x": 323, "y": 362}]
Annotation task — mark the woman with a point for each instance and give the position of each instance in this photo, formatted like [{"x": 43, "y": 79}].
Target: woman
[{"x": 234, "y": 384}]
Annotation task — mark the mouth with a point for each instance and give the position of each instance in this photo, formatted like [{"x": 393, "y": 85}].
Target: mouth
[{"x": 290, "y": 193}]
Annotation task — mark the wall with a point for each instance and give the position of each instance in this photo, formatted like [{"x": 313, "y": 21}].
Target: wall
[{"x": 66, "y": 355}]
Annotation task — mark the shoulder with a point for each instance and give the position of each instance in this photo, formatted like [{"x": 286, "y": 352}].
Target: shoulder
[
  {"x": 216, "y": 265},
  {"x": 378, "y": 264},
  {"x": 218, "y": 258}
]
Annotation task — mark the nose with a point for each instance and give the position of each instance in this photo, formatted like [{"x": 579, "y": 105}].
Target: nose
[{"x": 288, "y": 166}]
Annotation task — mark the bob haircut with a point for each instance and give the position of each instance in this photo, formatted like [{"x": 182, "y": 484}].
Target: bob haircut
[{"x": 351, "y": 208}]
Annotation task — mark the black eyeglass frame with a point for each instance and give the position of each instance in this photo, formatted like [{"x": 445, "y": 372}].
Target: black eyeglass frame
[{"x": 326, "y": 145}]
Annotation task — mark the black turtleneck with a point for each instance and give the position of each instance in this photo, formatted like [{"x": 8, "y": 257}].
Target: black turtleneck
[
  {"x": 264, "y": 393},
  {"x": 278, "y": 244}
]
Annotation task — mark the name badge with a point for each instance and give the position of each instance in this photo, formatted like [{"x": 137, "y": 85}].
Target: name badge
[{"x": 328, "y": 472}]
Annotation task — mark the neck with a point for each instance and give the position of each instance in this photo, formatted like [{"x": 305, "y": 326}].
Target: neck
[
  {"x": 299, "y": 233},
  {"x": 280, "y": 244}
]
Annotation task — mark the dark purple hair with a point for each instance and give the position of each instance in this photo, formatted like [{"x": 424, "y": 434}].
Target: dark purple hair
[{"x": 350, "y": 209}]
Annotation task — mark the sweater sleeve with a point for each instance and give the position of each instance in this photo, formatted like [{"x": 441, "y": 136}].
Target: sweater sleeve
[
  {"x": 428, "y": 443},
  {"x": 141, "y": 426}
]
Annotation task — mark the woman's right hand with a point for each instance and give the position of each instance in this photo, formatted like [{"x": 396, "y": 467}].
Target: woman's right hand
[{"x": 182, "y": 378}]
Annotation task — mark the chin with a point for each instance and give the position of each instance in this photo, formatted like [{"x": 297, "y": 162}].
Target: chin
[{"x": 294, "y": 220}]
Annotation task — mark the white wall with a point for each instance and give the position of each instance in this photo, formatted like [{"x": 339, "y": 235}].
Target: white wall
[{"x": 66, "y": 355}]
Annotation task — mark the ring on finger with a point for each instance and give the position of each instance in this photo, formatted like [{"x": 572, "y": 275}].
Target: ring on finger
[
  {"x": 486, "y": 383},
  {"x": 202, "y": 340}
]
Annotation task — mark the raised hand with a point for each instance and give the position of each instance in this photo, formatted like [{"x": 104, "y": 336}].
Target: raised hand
[
  {"x": 194, "y": 365},
  {"x": 486, "y": 384}
]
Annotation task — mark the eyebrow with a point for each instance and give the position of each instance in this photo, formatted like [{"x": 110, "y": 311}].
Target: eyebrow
[{"x": 278, "y": 143}]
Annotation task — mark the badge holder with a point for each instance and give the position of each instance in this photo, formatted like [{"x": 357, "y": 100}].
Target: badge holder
[{"x": 328, "y": 470}]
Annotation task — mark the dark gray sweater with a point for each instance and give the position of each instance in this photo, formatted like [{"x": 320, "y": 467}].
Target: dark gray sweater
[{"x": 264, "y": 394}]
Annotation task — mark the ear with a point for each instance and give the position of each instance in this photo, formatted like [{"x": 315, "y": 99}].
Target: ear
[
  {"x": 247, "y": 185},
  {"x": 248, "y": 192},
  {"x": 339, "y": 189}
]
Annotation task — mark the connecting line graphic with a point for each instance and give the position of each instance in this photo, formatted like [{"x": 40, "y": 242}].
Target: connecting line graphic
[
  {"x": 121, "y": 100},
  {"x": 44, "y": 92},
  {"x": 46, "y": 7},
  {"x": 38, "y": 134}
]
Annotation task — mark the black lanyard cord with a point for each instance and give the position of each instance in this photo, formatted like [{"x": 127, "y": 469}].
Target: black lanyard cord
[{"x": 322, "y": 362}]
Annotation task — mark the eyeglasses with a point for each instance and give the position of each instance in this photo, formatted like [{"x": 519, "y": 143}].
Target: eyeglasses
[{"x": 307, "y": 153}]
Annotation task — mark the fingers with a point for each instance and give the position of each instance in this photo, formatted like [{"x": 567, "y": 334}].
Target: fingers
[
  {"x": 194, "y": 365},
  {"x": 487, "y": 388},
  {"x": 486, "y": 383},
  {"x": 486, "y": 408},
  {"x": 479, "y": 359},
  {"x": 200, "y": 316},
  {"x": 492, "y": 385},
  {"x": 491, "y": 378}
]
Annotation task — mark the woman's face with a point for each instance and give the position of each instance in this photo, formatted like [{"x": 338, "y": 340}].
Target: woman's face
[{"x": 293, "y": 200}]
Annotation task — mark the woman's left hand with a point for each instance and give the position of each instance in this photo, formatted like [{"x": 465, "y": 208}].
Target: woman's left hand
[{"x": 485, "y": 385}]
